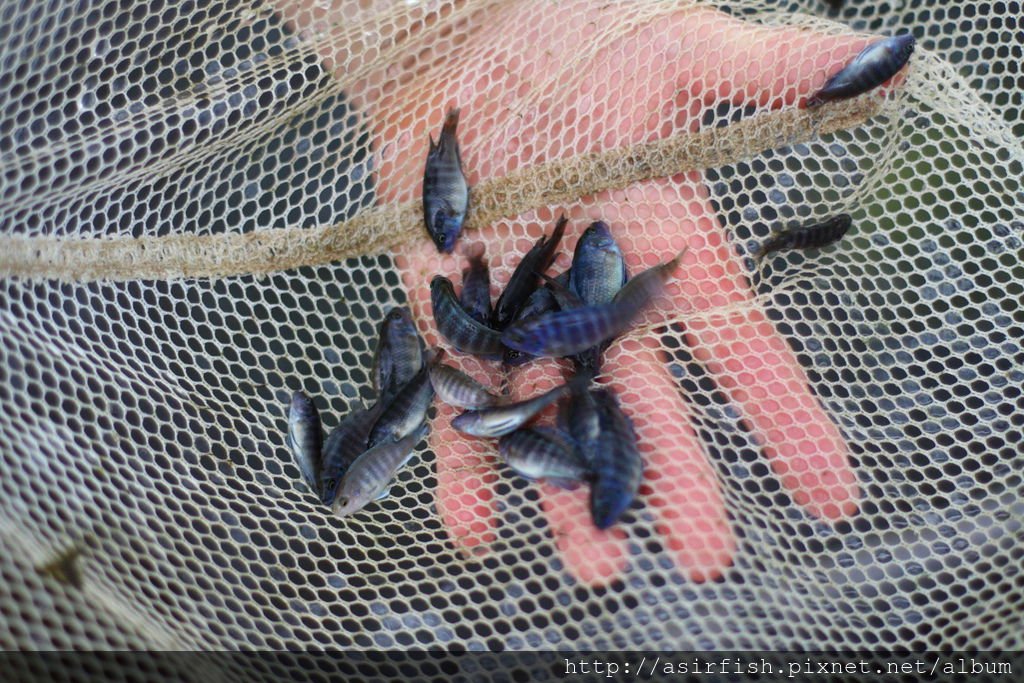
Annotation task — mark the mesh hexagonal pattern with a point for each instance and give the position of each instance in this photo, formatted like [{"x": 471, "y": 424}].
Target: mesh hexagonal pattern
[{"x": 832, "y": 438}]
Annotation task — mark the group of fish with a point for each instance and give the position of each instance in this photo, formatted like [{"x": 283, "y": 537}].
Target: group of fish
[{"x": 574, "y": 315}]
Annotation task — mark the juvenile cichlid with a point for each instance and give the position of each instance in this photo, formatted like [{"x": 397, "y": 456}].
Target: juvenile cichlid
[
  {"x": 369, "y": 477},
  {"x": 503, "y": 419},
  {"x": 406, "y": 411},
  {"x": 616, "y": 464},
  {"x": 578, "y": 416},
  {"x": 876, "y": 64},
  {"x": 458, "y": 389},
  {"x": 808, "y": 236},
  {"x": 445, "y": 192},
  {"x": 305, "y": 438},
  {"x": 565, "y": 333},
  {"x": 462, "y": 331},
  {"x": 541, "y": 301},
  {"x": 343, "y": 445},
  {"x": 542, "y": 453},
  {"x": 399, "y": 353},
  {"x": 598, "y": 267},
  {"x": 476, "y": 287},
  {"x": 524, "y": 279}
]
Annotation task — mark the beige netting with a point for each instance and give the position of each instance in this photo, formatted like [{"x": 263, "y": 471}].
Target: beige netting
[{"x": 207, "y": 207}]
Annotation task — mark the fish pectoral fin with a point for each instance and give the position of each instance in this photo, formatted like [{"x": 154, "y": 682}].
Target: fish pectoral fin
[
  {"x": 384, "y": 494},
  {"x": 566, "y": 484},
  {"x": 433, "y": 145}
]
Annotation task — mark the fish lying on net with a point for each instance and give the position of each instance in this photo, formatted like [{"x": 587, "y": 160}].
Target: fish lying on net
[{"x": 445, "y": 191}]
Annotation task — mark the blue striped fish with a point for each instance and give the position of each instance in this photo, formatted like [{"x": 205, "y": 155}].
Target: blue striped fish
[
  {"x": 616, "y": 464},
  {"x": 458, "y": 327},
  {"x": 370, "y": 476},
  {"x": 876, "y": 64},
  {"x": 503, "y": 419},
  {"x": 305, "y": 438},
  {"x": 542, "y": 453},
  {"x": 445, "y": 191}
]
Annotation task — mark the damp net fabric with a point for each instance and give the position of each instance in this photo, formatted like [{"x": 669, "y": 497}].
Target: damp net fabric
[{"x": 143, "y": 418}]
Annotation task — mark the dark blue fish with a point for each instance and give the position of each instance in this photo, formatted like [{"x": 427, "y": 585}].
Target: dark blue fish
[
  {"x": 399, "y": 353},
  {"x": 616, "y": 464},
  {"x": 458, "y": 327},
  {"x": 876, "y": 64},
  {"x": 565, "y": 333},
  {"x": 305, "y": 438},
  {"x": 541, "y": 453},
  {"x": 506, "y": 418},
  {"x": 406, "y": 411},
  {"x": 541, "y": 301},
  {"x": 524, "y": 279},
  {"x": 598, "y": 267},
  {"x": 578, "y": 416},
  {"x": 445, "y": 192},
  {"x": 476, "y": 287},
  {"x": 343, "y": 446},
  {"x": 808, "y": 236},
  {"x": 370, "y": 476},
  {"x": 565, "y": 298}
]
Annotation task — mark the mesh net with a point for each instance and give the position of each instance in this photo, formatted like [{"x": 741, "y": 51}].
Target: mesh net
[{"x": 206, "y": 207}]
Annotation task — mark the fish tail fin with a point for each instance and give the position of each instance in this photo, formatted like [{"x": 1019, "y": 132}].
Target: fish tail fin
[
  {"x": 451, "y": 122},
  {"x": 475, "y": 252},
  {"x": 556, "y": 234}
]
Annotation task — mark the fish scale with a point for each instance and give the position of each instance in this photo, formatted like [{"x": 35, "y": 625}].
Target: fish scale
[
  {"x": 457, "y": 326},
  {"x": 458, "y": 389}
]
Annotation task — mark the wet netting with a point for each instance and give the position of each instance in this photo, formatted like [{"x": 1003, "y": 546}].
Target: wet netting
[{"x": 208, "y": 206}]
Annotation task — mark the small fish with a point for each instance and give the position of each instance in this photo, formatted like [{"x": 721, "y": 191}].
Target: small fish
[
  {"x": 458, "y": 327},
  {"x": 524, "y": 279},
  {"x": 598, "y": 267},
  {"x": 876, "y": 64},
  {"x": 542, "y": 453},
  {"x": 445, "y": 192},
  {"x": 616, "y": 465},
  {"x": 503, "y": 419},
  {"x": 305, "y": 438},
  {"x": 565, "y": 333},
  {"x": 399, "y": 353},
  {"x": 343, "y": 445},
  {"x": 808, "y": 236},
  {"x": 458, "y": 389},
  {"x": 578, "y": 416},
  {"x": 65, "y": 567},
  {"x": 541, "y": 301},
  {"x": 406, "y": 411},
  {"x": 369, "y": 477},
  {"x": 476, "y": 287}
]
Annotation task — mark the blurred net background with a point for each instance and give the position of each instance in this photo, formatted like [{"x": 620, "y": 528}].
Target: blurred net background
[{"x": 144, "y": 421}]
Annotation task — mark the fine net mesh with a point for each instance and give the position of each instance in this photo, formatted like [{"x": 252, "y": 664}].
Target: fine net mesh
[{"x": 206, "y": 207}]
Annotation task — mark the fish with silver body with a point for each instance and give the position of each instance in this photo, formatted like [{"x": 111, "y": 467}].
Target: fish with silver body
[
  {"x": 875, "y": 64},
  {"x": 369, "y": 478},
  {"x": 399, "y": 353},
  {"x": 524, "y": 279},
  {"x": 458, "y": 389},
  {"x": 445, "y": 191},
  {"x": 808, "y": 236},
  {"x": 407, "y": 410},
  {"x": 506, "y": 418},
  {"x": 458, "y": 327},
  {"x": 616, "y": 464},
  {"x": 343, "y": 445},
  {"x": 565, "y": 333},
  {"x": 543, "y": 453},
  {"x": 476, "y": 287},
  {"x": 305, "y": 438}
]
